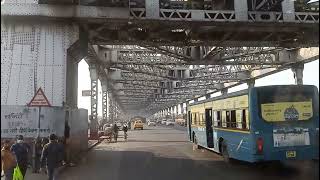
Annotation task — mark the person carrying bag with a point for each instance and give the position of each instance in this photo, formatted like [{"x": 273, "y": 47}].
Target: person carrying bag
[{"x": 17, "y": 175}]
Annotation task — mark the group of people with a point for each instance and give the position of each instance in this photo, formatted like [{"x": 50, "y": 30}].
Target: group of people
[
  {"x": 49, "y": 153},
  {"x": 115, "y": 131}
]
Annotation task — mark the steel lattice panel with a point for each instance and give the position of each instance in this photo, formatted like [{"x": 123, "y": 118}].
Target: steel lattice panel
[
  {"x": 40, "y": 48},
  {"x": 5, "y": 73}
]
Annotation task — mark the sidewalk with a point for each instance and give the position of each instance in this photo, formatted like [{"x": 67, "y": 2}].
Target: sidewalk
[
  {"x": 42, "y": 176},
  {"x": 33, "y": 176}
]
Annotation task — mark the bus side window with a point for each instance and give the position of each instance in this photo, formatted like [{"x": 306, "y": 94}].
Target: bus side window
[
  {"x": 214, "y": 119},
  {"x": 224, "y": 124},
  {"x": 233, "y": 119},
  {"x": 219, "y": 118},
  {"x": 196, "y": 118},
  {"x": 192, "y": 118},
  {"x": 245, "y": 119},
  {"x": 203, "y": 120},
  {"x": 228, "y": 119}
]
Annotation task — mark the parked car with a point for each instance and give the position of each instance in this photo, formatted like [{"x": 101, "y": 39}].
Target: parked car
[
  {"x": 138, "y": 125},
  {"x": 151, "y": 123},
  {"x": 170, "y": 123},
  {"x": 163, "y": 122}
]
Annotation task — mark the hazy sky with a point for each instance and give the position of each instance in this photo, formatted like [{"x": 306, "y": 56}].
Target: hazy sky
[{"x": 310, "y": 76}]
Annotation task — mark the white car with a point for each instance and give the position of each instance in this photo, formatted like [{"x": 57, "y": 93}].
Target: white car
[
  {"x": 151, "y": 123},
  {"x": 163, "y": 122},
  {"x": 170, "y": 123}
]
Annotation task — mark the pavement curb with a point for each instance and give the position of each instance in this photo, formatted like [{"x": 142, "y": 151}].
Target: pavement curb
[
  {"x": 93, "y": 145},
  {"x": 61, "y": 169}
]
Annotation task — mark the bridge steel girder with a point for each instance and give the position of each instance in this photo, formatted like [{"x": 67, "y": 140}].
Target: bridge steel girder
[
  {"x": 303, "y": 31},
  {"x": 140, "y": 79}
]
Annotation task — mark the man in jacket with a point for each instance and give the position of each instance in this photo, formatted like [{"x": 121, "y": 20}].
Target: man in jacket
[
  {"x": 21, "y": 151},
  {"x": 52, "y": 155},
  {"x": 8, "y": 161}
]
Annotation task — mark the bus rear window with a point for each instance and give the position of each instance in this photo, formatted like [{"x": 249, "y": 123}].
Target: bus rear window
[{"x": 285, "y": 103}]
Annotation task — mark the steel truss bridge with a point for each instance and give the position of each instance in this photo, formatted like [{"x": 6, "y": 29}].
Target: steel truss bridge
[{"x": 151, "y": 55}]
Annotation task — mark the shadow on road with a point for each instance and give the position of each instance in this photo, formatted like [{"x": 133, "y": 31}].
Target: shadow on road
[
  {"x": 137, "y": 165},
  {"x": 166, "y": 141}
]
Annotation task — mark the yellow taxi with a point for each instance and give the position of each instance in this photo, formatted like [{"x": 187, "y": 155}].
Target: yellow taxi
[{"x": 138, "y": 125}]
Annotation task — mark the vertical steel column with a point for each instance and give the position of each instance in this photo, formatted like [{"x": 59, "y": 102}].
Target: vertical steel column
[
  {"x": 110, "y": 107},
  {"x": 241, "y": 10},
  {"x": 94, "y": 101},
  {"x": 152, "y": 8},
  {"x": 104, "y": 103},
  {"x": 177, "y": 109},
  {"x": 298, "y": 73},
  {"x": 181, "y": 107},
  {"x": 288, "y": 10}
]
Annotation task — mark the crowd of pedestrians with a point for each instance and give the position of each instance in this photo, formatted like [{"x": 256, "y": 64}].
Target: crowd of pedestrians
[{"x": 48, "y": 156}]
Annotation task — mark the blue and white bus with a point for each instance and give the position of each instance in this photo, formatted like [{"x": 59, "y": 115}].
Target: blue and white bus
[{"x": 271, "y": 123}]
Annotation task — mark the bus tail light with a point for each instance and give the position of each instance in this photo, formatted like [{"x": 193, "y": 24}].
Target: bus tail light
[{"x": 260, "y": 145}]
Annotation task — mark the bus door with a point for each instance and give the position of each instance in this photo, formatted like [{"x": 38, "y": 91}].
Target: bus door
[
  {"x": 209, "y": 130},
  {"x": 189, "y": 125}
]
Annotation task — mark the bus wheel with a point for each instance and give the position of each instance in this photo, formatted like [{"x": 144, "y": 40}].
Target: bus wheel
[{"x": 224, "y": 152}]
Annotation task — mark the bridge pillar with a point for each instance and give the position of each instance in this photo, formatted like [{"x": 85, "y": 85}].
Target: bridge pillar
[
  {"x": 177, "y": 109},
  {"x": 94, "y": 101},
  {"x": 288, "y": 10},
  {"x": 241, "y": 10},
  {"x": 181, "y": 107},
  {"x": 298, "y": 73},
  {"x": 224, "y": 91},
  {"x": 72, "y": 83},
  {"x": 35, "y": 54},
  {"x": 104, "y": 102},
  {"x": 195, "y": 52},
  {"x": 250, "y": 83}
]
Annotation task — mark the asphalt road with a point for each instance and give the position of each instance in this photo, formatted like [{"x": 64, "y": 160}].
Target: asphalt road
[{"x": 162, "y": 153}]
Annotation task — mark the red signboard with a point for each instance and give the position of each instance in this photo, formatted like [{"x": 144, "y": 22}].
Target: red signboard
[{"x": 39, "y": 99}]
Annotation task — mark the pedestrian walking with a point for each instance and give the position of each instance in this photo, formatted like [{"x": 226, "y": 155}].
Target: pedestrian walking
[
  {"x": 44, "y": 141},
  {"x": 115, "y": 130},
  {"x": 125, "y": 129},
  {"x": 38, "y": 151},
  {"x": 21, "y": 150},
  {"x": 52, "y": 156},
  {"x": 8, "y": 161}
]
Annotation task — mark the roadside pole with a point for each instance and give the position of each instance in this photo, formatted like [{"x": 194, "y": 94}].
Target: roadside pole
[{"x": 38, "y": 100}]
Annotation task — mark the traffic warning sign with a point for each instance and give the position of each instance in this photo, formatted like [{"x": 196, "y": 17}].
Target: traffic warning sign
[{"x": 39, "y": 99}]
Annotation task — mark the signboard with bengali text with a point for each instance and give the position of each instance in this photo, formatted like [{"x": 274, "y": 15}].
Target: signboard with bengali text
[
  {"x": 86, "y": 92},
  {"x": 23, "y": 120}
]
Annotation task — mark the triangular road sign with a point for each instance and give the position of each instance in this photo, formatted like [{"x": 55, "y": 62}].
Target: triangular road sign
[{"x": 39, "y": 99}]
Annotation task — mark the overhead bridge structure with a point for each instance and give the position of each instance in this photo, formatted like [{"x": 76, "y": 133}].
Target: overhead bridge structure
[{"x": 150, "y": 55}]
